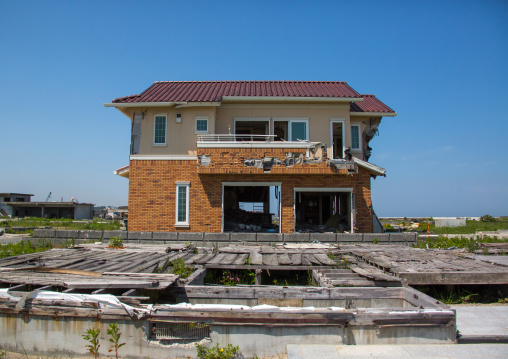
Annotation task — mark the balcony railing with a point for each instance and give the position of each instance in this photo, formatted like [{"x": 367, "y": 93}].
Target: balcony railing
[{"x": 235, "y": 138}]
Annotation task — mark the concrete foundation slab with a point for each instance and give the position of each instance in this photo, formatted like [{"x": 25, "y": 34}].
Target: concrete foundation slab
[
  {"x": 111, "y": 234},
  {"x": 269, "y": 237},
  {"x": 323, "y": 237},
  {"x": 67, "y": 234},
  {"x": 296, "y": 237},
  {"x": 165, "y": 236},
  {"x": 371, "y": 237},
  {"x": 216, "y": 237},
  {"x": 243, "y": 237},
  {"x": 91, "y": 234},
  {"x": 139, "y": 235},
  {"x": 44, "y": 233},
  {"x": 348, "y": 238},
  {"x": 190, "y": 236}
]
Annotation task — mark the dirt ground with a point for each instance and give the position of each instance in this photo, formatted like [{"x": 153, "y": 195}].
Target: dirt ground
[{"x": 12, "y": 355}]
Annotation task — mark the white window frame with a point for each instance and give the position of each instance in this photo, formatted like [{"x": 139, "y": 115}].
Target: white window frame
[
  {"x": 337, "y": 120},
  {"x": 359, "y": 149},
  {"x": 290, "y": 129},
  {"x": 165, "y": 115},
  {"x": 186, "y": 185},
  {"x": 202, "y": 118}
]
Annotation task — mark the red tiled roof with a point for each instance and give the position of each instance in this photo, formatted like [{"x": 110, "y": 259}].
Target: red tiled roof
[
  {"x": 200, "y": 91},
  {"x": 370, "y": 103}
]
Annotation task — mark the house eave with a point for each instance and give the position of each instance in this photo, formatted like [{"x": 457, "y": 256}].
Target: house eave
[{"x": 374, "y": 114}]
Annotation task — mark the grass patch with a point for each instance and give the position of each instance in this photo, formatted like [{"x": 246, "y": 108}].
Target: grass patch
[
  {"x": 230, "y": 277},
  {"x": 469, "y": 244},
  {"x": 467, "y": 294},
  {"x": 65, "y": 223},
  {"x": 23, "y": 247}
]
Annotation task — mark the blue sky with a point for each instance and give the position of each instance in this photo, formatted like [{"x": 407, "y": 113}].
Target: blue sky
[{"x": 441, "y": 65}]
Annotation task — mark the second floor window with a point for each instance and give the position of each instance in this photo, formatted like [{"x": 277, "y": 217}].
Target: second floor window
[
  {"x": 355, "y": 137},
  {"x": 201, "y": 125},
  {"x": 159, "y": 137}
]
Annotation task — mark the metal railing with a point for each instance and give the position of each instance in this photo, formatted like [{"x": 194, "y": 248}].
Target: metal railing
[
  {"x": 235, "y": 138},
  {"x": 180, "y": 330}
]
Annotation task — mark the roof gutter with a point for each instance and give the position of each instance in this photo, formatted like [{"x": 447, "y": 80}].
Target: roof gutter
[
  {"x": 143, "y": 104},
  {"x": 289, "y": 99},
  {"x": 374, "y": 114}
]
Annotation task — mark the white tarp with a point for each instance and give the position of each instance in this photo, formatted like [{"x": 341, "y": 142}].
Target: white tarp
[{"x": 103, "y": 300}]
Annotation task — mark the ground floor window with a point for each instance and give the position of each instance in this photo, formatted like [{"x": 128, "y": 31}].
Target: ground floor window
[
  {"x": 182, "y": 204},
  {"x": 323, "y": 210},
  {"x": 251, "y": 207}
]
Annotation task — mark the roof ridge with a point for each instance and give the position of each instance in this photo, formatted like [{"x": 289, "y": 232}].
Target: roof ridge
[{"x": 253, "y": 81}]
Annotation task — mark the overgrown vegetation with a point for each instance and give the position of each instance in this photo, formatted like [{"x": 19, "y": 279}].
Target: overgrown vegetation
[
  {"x": 230, "y": 277},
  {"x": 115, "y": 335},
  {"x": 217, "y": 352},
  {"x": 64, "y": 223},
  {"x": 469, "y": 244},
  {"x": 181, "y": 269},
  {"x": 92, "y": 337},
  {"x": 116, "y": 242},
  {"x": 23, "y": 247},
  {"x": 30, "y": 232},
  {"x": 467, "y": 294}
]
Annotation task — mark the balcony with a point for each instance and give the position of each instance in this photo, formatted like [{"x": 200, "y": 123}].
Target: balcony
[
  {"x": 262, "y": 154},
  {"x": 250, "y": 141}
]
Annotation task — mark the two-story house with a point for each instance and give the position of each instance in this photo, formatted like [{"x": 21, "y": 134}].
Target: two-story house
[{"x": 251, "y": 156}]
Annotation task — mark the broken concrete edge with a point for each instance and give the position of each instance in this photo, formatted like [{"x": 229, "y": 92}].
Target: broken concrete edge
[{"x": 207, "y": 238}]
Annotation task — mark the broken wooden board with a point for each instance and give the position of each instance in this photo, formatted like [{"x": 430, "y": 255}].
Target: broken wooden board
[{"x": 428, "y": 267}]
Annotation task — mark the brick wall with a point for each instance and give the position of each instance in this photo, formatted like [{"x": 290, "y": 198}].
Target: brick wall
[
  {"x": 152, "y": 195},
  {"x": 230, "y": 160}
]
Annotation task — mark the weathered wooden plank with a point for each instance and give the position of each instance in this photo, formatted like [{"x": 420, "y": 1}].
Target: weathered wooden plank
[
  {"x": 296, "y": 259},
  {"x": 284, "y": 259},
  {"x": 270, "y": 260},
  {"x": 217, "y": 258},
  {"x": 205, "y": 258},
  {"x": 352, "y": 282},
  {"x": 194, "y": 258},
  {"x": 252, "y": 267},
  {"x": 241, "y": 259},
  {"x": 305, "y": 260},
  {"x": 255, "y": 258},
  {"x": 373, "y": 273},
  {"x": 312, "y": 259},
  {"x": 324, "y": 259},
  {"x": 229, "y": 258}
]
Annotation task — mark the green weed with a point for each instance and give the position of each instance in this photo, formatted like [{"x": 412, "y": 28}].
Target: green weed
[
  {"x": 217, "y": 352},
  {"x": 115, "y": 334},
  {"x": 116, "y": 242},
  {"x": 181, "y": 269},
  {"x": 92, "y": 336},
  {"x": 24, "y": 247}
]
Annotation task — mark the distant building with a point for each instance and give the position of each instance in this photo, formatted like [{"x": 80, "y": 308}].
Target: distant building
[
  {"x": 114, "y": 213},
  {"x": 20, "y": 205}
]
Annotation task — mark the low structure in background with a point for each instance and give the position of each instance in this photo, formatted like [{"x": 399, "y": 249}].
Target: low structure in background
[
  {"x": 115, "y": 213},
  {"x": 20, "y": 205}
]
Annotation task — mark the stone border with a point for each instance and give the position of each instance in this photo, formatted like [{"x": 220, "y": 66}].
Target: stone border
[{"x": 224, "y": 238}]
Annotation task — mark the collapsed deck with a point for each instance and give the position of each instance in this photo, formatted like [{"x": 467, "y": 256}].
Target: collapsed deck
[{"x": 356, "y": 296}]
